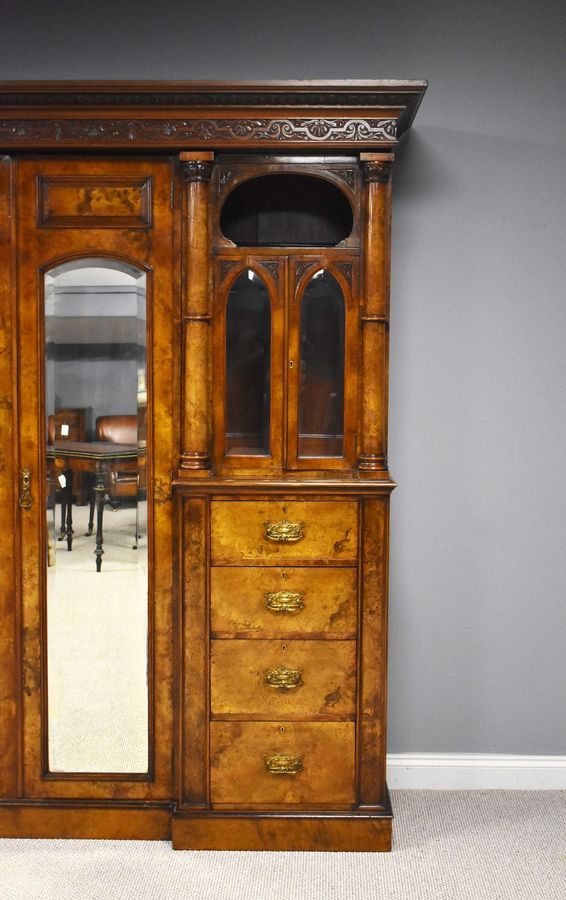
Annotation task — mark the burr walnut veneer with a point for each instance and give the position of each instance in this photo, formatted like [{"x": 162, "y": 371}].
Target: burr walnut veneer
[{"x": 260, "y": 216}]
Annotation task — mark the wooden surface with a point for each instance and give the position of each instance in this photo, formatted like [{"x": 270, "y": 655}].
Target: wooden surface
[
  {"x": 238, "y": 751},
  {"x": 239, "y": 687},
  {"x": 192, "y": 674},
  {"x": 238, "y": 598},
  {"x": 163, "y": 216},
  {"x": 183, "y": 115},
  {"x": 109, "y": 823},
  {"x": 150, "y": 250},
  {"x": 10, "y": 676},
  {"x": 276, "y": 832},
  {"x": 238, "y": 531},
  {"x": 195, "y": 457}
]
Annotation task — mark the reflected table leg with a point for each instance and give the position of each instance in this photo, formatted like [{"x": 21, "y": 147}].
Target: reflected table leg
[
  {"x": 68, "y": 494},
  {"x": 99, "y": 494}
]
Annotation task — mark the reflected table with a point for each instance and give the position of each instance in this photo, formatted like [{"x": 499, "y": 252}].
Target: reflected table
[{"x": 100, "y": 458}]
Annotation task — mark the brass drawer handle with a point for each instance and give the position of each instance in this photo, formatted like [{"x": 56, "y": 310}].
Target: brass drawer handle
[
  {"x": 26, "y": 499},
  {"x": 283, "y": 678},
  {"x": 284, "y": 532},
  {"x": 284, "y": 765},
  {"x": 284, "y": 602}
]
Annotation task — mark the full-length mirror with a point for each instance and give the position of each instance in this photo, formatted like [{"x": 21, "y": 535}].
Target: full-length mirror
[{"x": 96, "y": 553}]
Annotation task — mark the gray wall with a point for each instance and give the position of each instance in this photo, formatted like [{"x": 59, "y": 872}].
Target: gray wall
[{"x": 478, "y": 366}]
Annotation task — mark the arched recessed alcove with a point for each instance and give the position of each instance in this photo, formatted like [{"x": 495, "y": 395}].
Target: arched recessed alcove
[{"x": 286, "y": 210}]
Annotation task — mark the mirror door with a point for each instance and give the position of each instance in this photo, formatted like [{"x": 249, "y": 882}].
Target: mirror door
[{"x": 96, "y": 400}]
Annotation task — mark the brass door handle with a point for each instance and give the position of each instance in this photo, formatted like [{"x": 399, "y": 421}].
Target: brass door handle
[
  {"x": 284, "y": 532},
  {"x": 283, "y": 678},
  {"x": 284, "y": 765},
  {"x": 284, "y": 601},
  {"x": 26, "y": 499}
]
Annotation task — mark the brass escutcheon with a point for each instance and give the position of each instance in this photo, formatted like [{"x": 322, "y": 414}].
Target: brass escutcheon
[
  {"x": 26, "y": 499},
  {"x": 284, "y": 601},
  {"x": 283, "y": 678},
  {"x": 284, "y": 532},
  {"x": 284, "y": 765}
]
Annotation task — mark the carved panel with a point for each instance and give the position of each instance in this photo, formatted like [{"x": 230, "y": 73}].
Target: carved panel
[
  {"x": 221, "y": 131},
  {"x": 272, "y": 267},
  {"x": 226, "y": 266},
  {"x": 301, "y": 268},
  {"x": 107, "y": 201},
  {"x": 347, "y": 175},
  {"x": 346, "y": 269}
]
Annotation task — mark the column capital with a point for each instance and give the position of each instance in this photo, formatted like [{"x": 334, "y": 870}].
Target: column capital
[
  {"x": 197, "y": 170},
  {"x": 376, "y": 170}
]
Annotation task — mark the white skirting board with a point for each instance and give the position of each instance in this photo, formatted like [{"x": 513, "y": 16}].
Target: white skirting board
[{"x": 475, "y": 771}]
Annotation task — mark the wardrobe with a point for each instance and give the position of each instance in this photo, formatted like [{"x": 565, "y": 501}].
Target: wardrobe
[{"x": 194, "y": 485}]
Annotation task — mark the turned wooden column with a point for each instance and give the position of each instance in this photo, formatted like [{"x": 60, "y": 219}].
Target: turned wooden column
[
  {"x": 376, "y": 172},
  {"x": 196, "y": 171}
]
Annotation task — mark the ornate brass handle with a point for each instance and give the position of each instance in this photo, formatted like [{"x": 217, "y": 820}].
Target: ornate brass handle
[
  {"x": 284, "y": 602},
  {"x": 283, "y": 678},
  {"x": 284, "y": 765},
  {"x": 284, "y": 532},
  {"x": 26, "y": 499}
]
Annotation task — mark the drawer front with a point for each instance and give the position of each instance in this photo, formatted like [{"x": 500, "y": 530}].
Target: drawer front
[
  {"x": 282, "y": 763},
  {"x": 275, "y": 531},
  {"x": 283, "y": 678},
  {"x": 251, "y": 601}
]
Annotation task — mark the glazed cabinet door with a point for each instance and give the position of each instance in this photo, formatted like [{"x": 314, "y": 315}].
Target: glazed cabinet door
[
  {"x": 96, "y": 386},
  {"x": 323, "y": 363},
  {"x": 248, "y": 359}
]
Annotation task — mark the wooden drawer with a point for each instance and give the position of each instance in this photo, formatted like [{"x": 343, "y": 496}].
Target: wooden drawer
[
  {"x": 252, "y": 601},
  {"x": 267, "y": 679},
  {"x": 253, "y": 763},
  {"x": 301, "y": 530}
]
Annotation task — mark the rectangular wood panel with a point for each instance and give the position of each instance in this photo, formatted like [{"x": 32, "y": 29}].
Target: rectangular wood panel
[
  {"x": 245, "y": 675},
  {"x": 283, "y": 600},
  {"x": 105, "y": 201},
  {"x": 373, "y": 653},
  {"x": 327, "y": 530},
  {"x": 9, "y": 682},
  {"x": 194, "y": 693},
  {"x": 241, "y": 751}
]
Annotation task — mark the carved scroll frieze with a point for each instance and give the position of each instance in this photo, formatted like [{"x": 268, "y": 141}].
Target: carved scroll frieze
[{"x": 108, "y": 131}]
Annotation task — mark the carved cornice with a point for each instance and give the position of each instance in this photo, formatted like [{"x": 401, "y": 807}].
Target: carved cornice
[
  {"x": 376, "y": 171},
  {"x": 220, "y": 131},
  {"x": 197, "y": 170}
]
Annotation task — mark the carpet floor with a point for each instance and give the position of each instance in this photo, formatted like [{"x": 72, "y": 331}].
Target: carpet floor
[{"x": 448, "y": 845}]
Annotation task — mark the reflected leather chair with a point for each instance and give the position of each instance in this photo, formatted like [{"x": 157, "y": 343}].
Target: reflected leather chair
[{"x": 121, "y": 429}]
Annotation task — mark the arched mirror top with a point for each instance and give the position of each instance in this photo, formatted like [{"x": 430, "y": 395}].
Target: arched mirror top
[{"x": 286, "y": 210}]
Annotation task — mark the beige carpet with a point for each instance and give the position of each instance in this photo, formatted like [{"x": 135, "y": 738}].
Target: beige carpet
[
  {"x": 97, "y": 648},
  {"x": 467, "y": 845}
]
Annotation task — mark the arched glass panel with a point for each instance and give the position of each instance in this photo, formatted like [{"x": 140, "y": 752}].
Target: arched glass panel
[
  {"x": 248, "y": 363},
  {"x": 321, "y": 388},
  {"x": 97, "y": 577},
  {"x": 287, "y": 210}
]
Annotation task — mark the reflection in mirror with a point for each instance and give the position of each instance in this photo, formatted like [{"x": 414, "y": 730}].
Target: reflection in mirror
[
  {"x": 248, "y": 351},
  {"x": 321, "y": 392},
  {"x": 97, "y": 579}
]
